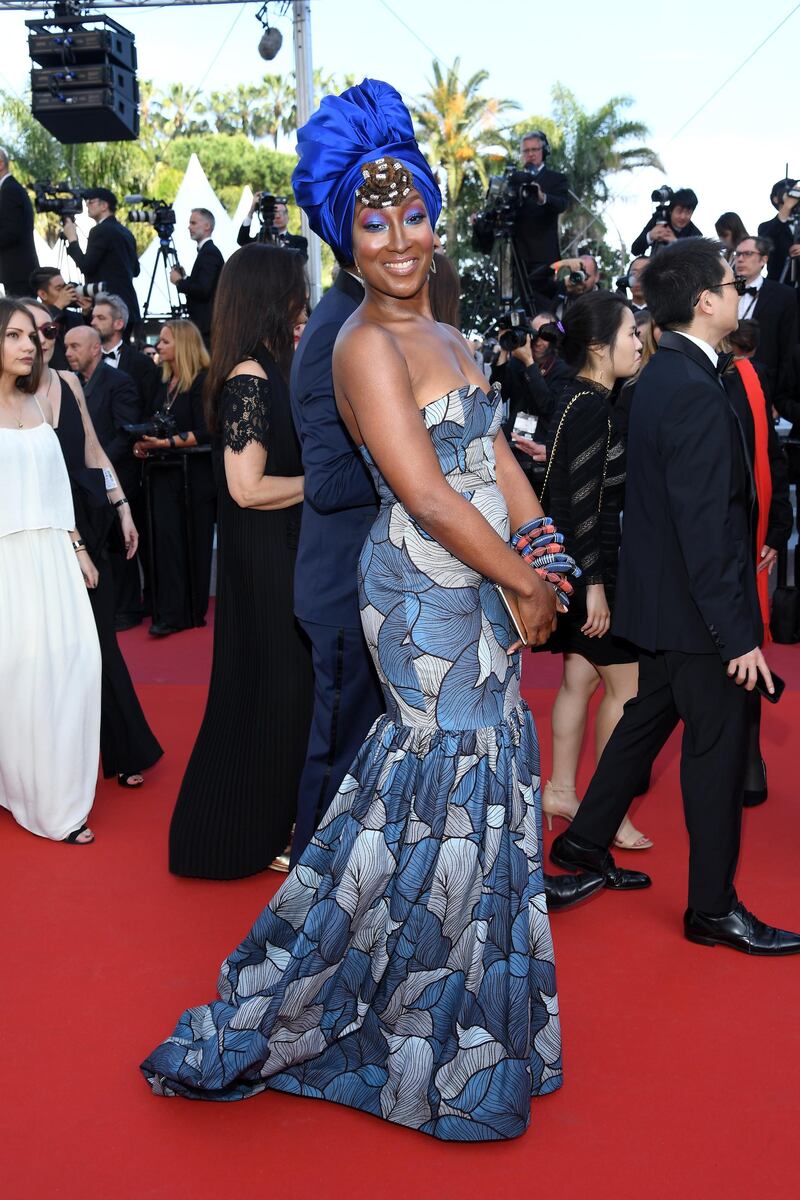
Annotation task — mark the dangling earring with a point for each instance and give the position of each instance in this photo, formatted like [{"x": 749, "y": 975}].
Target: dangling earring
[{"x": 433, "y": 265}]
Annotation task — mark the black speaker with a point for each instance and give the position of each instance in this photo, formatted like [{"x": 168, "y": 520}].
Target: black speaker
[{"x": 87, "y": 89}]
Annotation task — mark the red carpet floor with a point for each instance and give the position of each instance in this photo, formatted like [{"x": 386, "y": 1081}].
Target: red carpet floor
[{"x": 681, "y": 1063}]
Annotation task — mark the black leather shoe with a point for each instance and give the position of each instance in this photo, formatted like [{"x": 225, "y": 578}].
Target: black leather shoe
[
  {"x": 758, "y": 795},
  {"x": 564, "y": 891},
  {"x": 159, "y": 630},
  {"x": 573, "y": 853},
  {"x": 740, "y": 930}
]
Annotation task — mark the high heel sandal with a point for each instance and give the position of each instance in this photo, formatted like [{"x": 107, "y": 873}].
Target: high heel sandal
[
  {"x": 124, "y": 779},
  {"x": 634, "y": 839},
  {"x": 552, "y": 807},
  {"x": 74, "y": 838}
]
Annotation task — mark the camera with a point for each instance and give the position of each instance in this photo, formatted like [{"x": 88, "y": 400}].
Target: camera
[
  {"x": 90, "y": 290},
  {"x": 510, "y": 328},
  {"x": 58, "y": 198},
  {"x": 505, "y": 195},
  {"x": 265, "y": 210},
  {"x": 662, "y": 198},
  {"x": 157, "y": 213},
  {"x": 161, "y": 425}
]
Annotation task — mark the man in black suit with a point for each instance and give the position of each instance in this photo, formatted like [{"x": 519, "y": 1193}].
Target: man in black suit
[
  {"x": 58, "y": 297},
  {"x": 536, "y": 222},
  {"x": 278, "y": 232},
  {"x": 17, "y": 252},
  {"x": 111, "y": 399},
  {"x": 110, "y": 257},
  {"x": 773, "y": 305},
  {"x": 781, "y": 231},
  {"x": 110, "y": 318},
  {"x": 200, "y": 286},
  {"x": 658, "y": 233},
  {"x": 686, "y": 597}
]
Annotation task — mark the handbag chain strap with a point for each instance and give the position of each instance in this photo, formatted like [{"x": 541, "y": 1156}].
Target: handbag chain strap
[{"x": 555, "y": 446}]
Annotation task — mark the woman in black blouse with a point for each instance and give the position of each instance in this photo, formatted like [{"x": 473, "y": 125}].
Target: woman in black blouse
[
  {"x": 239, "y": 795},
  {"x": 583, "y": 492},
  {"x": 180, "y": 568}
]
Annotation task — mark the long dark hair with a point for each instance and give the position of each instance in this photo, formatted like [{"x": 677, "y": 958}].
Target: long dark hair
[
  {"x": 25, "y": 383},
  {"x": 444, "y": 291},
  {"x": 261, "y": 293},
  {"x": 591, "y": 320}
]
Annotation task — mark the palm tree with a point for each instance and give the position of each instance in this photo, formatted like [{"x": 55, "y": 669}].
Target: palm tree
[
  {"x": 178, "y": 111},
  {"x": 278, "y": 102},
  {"x": 458, "y": 126}
]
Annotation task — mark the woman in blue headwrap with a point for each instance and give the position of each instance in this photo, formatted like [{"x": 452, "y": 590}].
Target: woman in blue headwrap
[{"x": 406, "y": 966}]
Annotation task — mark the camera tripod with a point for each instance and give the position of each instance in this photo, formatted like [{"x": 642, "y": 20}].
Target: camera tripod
[
  {"x": 511, "y": 278},
  {"x": 790, "y": 273},
  {"x": 167, "y": 258}
]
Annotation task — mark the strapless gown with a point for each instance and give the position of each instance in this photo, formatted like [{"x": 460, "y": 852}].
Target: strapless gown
[{"x": 406, "y": 967}]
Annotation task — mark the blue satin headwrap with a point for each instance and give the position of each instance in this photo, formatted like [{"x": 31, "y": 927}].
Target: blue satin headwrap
[{"x": 364, "y": 123}]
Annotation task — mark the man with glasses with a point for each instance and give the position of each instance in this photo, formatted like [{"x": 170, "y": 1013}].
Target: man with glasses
[
  {"x": 48, "y": 285},
  {"x": 686, "y": 596},
  {"x": 772, "y": 305}
]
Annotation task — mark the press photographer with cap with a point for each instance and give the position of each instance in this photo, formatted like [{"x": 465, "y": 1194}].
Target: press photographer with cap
[
  {"x": 110, "y": 256},
  {"x": 671, "y": 220}
]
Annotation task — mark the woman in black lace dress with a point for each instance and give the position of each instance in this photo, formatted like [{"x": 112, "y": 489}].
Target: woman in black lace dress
[
  {"x": 584, "y": 492},
  {"x": 238, "y": 798}
]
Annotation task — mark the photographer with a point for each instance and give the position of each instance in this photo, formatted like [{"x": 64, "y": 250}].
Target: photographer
[
  {"x": 48, "y": 285},
  {"x": 274, "y": 215},
  {"x": 632, "y": 282},
  {"x": 782, "y": 231},
  {"x": 531, "y": 377},
  {"x": 536, "y": 222},
  {"x": 573, "y": 277},
  {"x": 671, "y": 220},
  {"x": 110, "y": 257},
  {"x": 17, "y": 251},
  {"x": 200, "y": 286}
]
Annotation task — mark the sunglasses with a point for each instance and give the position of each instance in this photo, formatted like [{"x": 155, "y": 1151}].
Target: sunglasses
[{"x": 49, "y": 331}]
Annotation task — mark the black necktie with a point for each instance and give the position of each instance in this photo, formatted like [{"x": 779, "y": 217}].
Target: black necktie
[{"x": 723, "y": 362}]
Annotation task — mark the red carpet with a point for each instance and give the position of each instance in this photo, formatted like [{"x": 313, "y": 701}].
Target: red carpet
[{"x": 681, "y": 1062}]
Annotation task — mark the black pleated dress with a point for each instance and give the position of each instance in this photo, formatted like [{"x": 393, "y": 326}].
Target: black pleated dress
[
  {"x": 238, "y": 798},
  {"x": 127, "y": 743}
]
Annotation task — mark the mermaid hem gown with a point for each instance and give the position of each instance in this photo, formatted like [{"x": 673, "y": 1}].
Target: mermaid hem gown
[{"x": 405, "y": 967}]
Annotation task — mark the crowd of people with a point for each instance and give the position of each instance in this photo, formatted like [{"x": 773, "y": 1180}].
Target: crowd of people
[{"x": 399, "y": 512}]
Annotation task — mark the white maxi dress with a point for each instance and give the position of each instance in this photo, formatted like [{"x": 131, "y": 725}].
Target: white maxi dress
[{"x": 49, "y": 652}]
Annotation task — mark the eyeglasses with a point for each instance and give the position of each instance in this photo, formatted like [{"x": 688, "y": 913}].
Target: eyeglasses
[
  {"x": 739, "y": 283},
  {"x": 49, "y": 331},
  {"x": 746, "y": 254}
]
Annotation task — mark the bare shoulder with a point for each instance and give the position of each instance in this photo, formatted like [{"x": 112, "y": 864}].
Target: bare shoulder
[
  {"x": 73, "y": 383},
  {"x": 361, "y": 343},
  {"x": 249, "y": 366}
]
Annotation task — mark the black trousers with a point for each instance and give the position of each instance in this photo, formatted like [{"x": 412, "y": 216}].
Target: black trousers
[
  {"x": 694, "y": 689},
  {"x": 347, "y": 700}
]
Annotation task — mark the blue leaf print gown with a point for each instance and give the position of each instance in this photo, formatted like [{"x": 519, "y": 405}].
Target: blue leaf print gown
[{"x": 405, "y": 967}]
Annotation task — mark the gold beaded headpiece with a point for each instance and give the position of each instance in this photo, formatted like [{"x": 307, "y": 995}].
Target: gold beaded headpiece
[{"x": 386, "y": 183}]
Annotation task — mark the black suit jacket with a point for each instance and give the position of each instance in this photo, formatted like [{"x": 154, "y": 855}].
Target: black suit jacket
[
  {"x": 292, "y": 241},
  {"x": 779, "y": 519},
  {"x": 340, "y": 503},
  {"x": 536, "y": 225},
  {"x": 642, "y": 246},
  {"x": 776, "y": 312},
  {"x": 66, "y": 319},
  {"x": 686, "y": 575},
  {"x": 199, "y": 287},
  {"x": 113, "y": 401},
  {"x": 144, "y": 373},
  {"x": 780, "y": 234},
  {"x": 110, "y": 257},
  {"x": 18, "y": 258}
]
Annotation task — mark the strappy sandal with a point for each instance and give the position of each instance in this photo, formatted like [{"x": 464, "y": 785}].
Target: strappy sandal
[
  {"x": 124, "y": 779},
  {"x": 72, "y": 839}
]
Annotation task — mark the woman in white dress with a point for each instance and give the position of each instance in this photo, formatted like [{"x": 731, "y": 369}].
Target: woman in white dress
[{"x": 49, "y": 653}]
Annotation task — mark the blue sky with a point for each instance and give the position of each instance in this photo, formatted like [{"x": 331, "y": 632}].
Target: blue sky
[{"x": 670, "y": 58}]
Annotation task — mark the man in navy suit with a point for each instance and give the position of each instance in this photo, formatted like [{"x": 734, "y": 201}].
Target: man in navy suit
[
  {"x": 339, "y": 507},
  {"x": 686, "y": 596}
]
